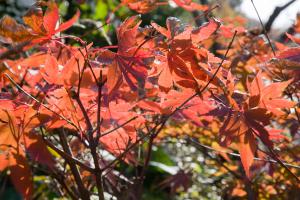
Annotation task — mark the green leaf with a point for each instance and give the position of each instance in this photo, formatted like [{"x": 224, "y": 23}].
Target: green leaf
[
  {"x": 159, "y": 155},
  {"x": 101, "y": 10}
]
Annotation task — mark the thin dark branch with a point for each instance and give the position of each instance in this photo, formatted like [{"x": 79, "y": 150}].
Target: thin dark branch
[
  {"x": 67, "y": 157},
  {"x": 93, "y": 147},
  {"x": 84, "y": 112},
  {"x": 90, "y": 30},
  {"x": 211, "y": 79},
  {"x": 100, "y": 85},
  {"x": 157, "y": 129},
  {"x": 82, "y": 190},
  {"x": 119, "y": 126},
  {"x": 36, "y": 100},
  {"x": 80, "y": 75},
  {"x": 13, "y": 50},
  {"x": 167, "y": 117},
  {"x": 23, "y": 78},
  {"x": 87, "y": 62},
  {"x": 98, "y": 171},
  {"x": 61, "y": 181},
  {"x": 196, "y": 143},
  {"x": 275, "y": 14},
  {"x": 201, "y": 147},
  {"x": 197, "y": 17},
  {"x": 264, "y": 29},
  {"x": 295, "y": 108},
  {"x": 276, "y": 157}
]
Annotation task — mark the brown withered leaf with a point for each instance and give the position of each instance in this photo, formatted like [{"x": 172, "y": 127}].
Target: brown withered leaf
[
  {"x": 14, "y": 31},
  {"x": 34, "y": 19}
]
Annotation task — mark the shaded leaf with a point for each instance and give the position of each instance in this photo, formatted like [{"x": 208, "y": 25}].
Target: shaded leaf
[
  {"x": 9, "y": 28},
  {"x": 247, "y": 148}
]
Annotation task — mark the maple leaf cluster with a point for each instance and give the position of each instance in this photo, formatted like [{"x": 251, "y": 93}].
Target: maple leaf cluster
[
  {"x": 142, "y": 6},
  {"x": 115, "y": 99}
]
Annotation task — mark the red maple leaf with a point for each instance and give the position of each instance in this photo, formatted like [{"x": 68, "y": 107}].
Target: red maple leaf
[
  {"x": 189, "y": 5},
  {"x": 131, "y": 61},
  {"x": 141, "y": 6},
  {"x": 243, "y": 125},
  {"x": 16, "y": 139},
  {"x": 41, "y": 26},
  {"x": 268, "y": 97},
  {"x": 45, "y": 26},
  {"x": 180, "y": 60}
]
